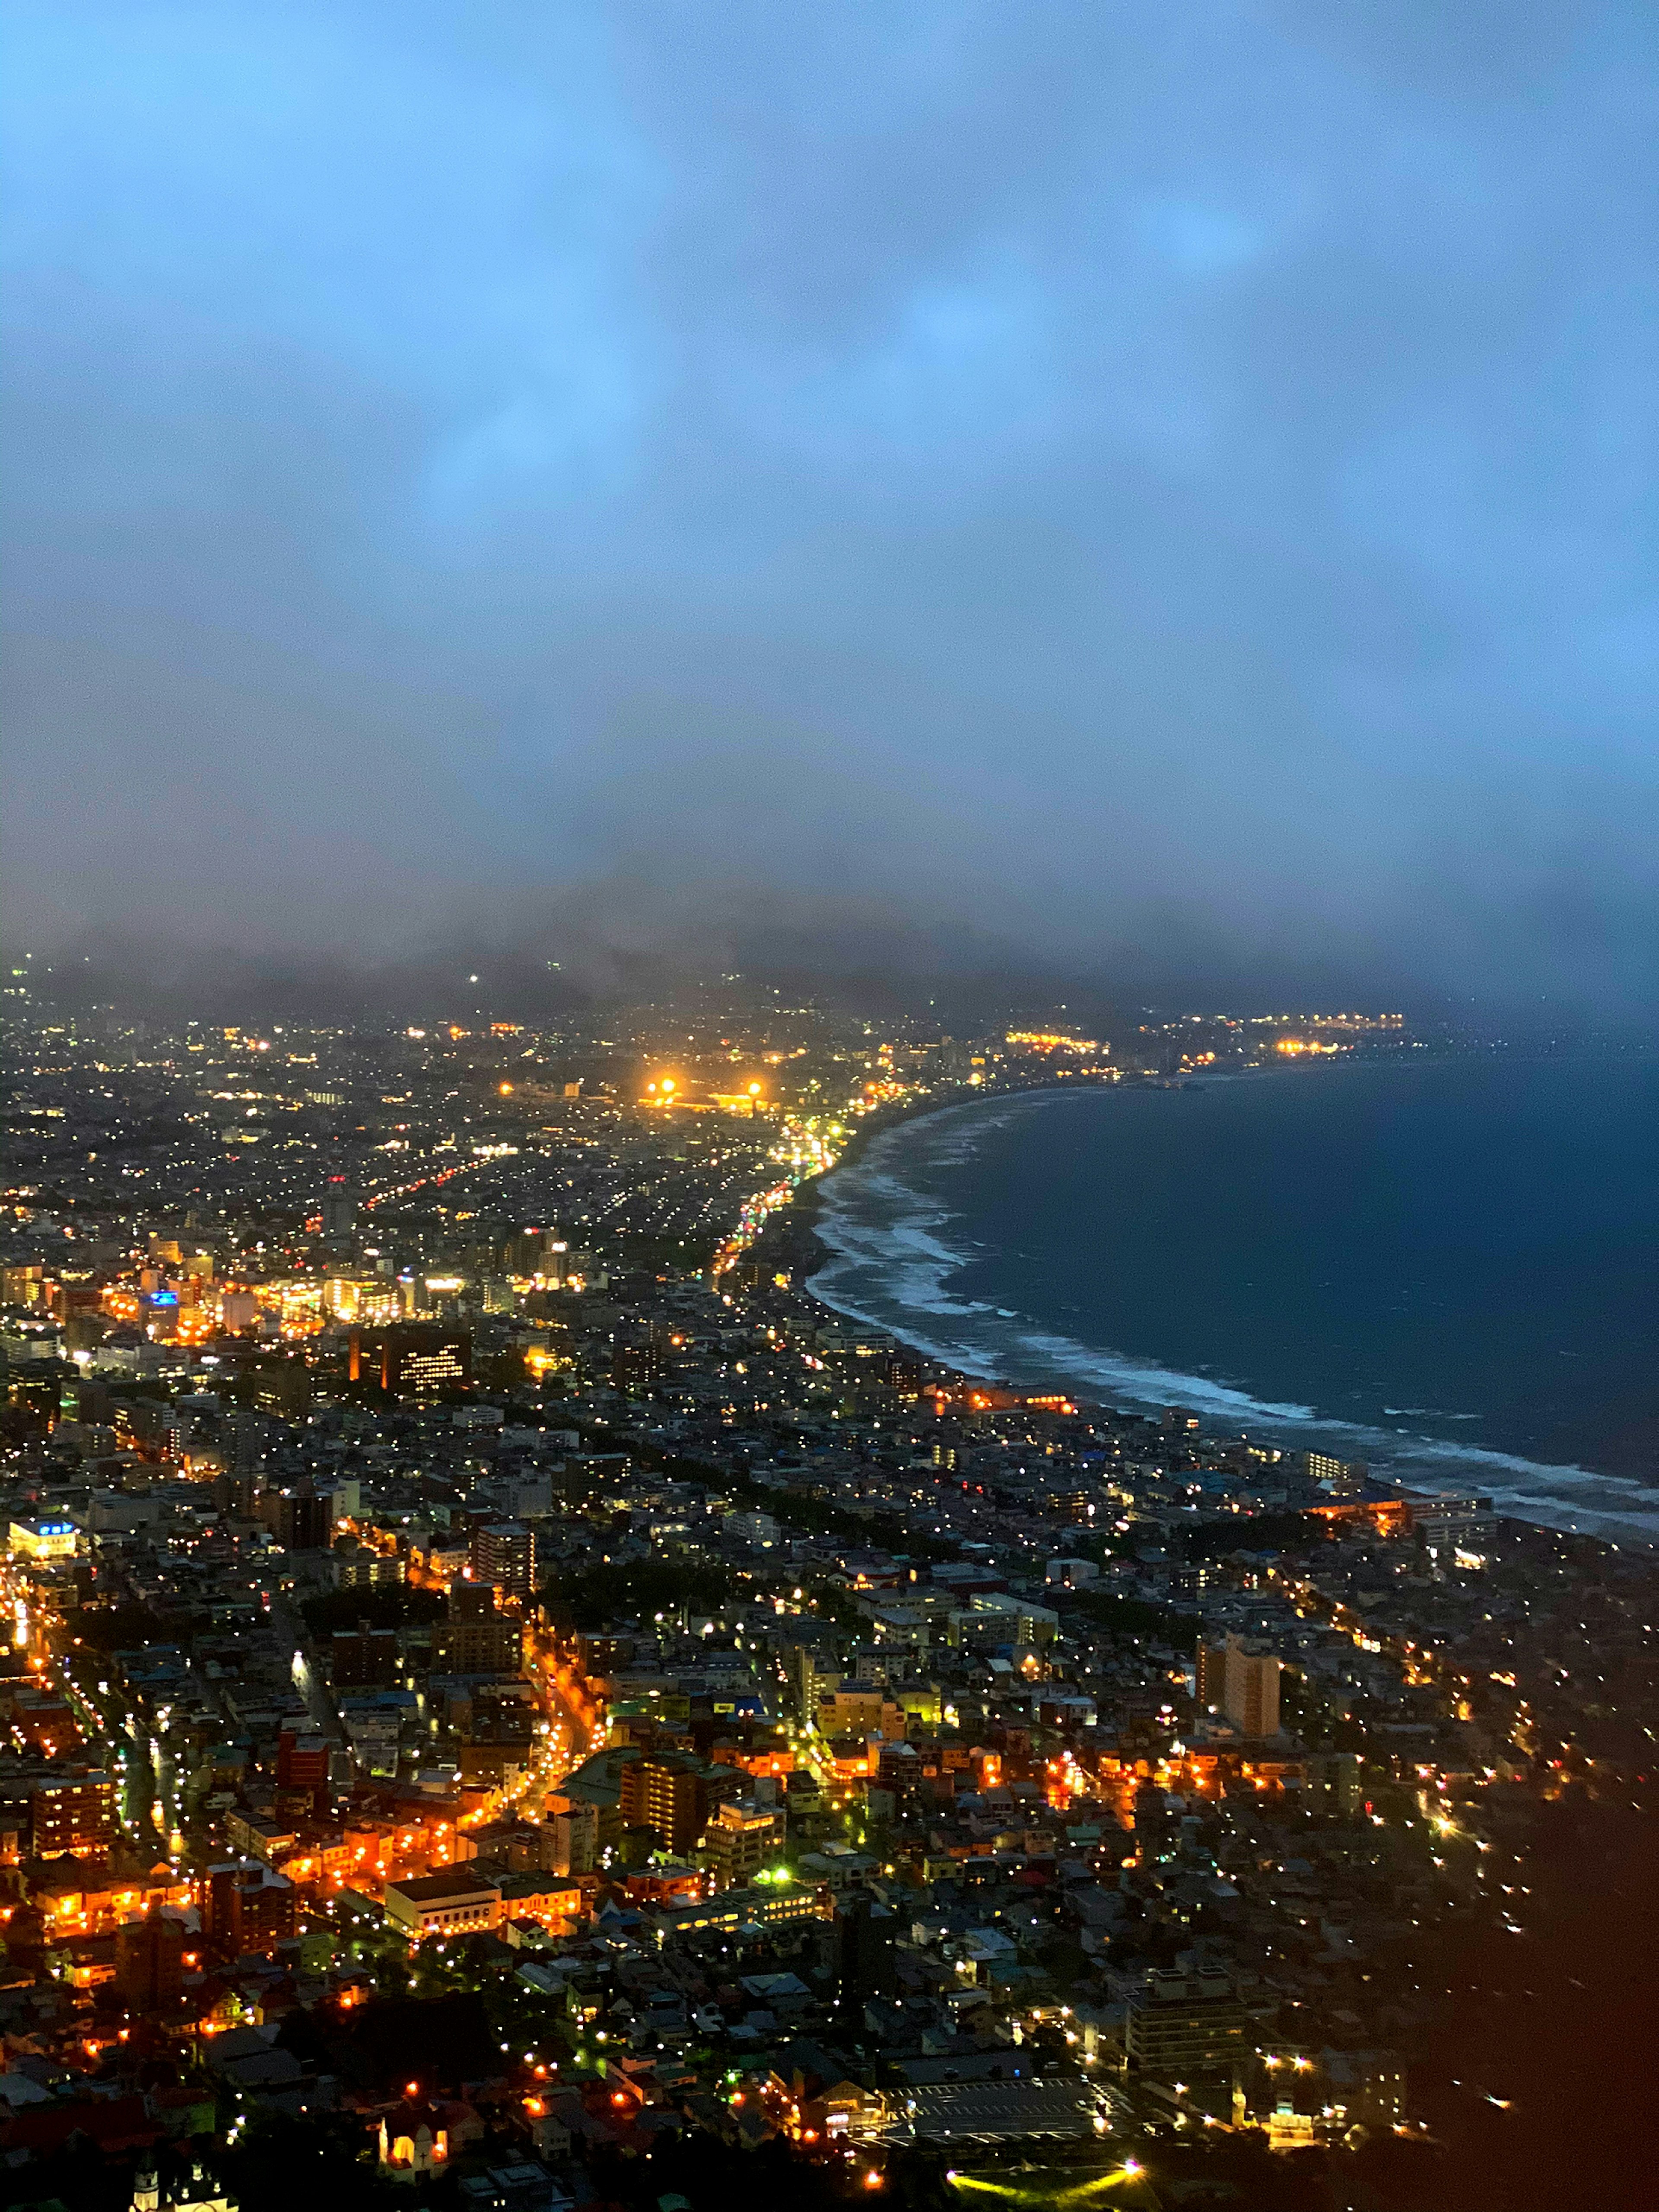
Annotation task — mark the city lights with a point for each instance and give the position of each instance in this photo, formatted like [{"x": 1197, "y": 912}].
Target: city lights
[{"x": 711, "y": 1615}]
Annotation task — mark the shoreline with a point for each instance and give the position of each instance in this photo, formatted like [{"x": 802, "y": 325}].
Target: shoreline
[
  {"x": 1524, "y": 1490},
  {"x": 807, "y": 1201},
  {"x": 792, "y": 1233}
]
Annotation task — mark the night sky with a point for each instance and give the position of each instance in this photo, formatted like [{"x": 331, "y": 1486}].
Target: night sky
[{"x": 1166, "y": 490}]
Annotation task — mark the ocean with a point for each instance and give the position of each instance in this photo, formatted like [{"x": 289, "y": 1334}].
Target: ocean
[{"x": 1444, "y": 1267}]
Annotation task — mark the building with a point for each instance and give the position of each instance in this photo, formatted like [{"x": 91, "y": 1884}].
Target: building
[
  {"x": 784, "y": 1905},
  {"x": 551, "y": 1898},
  {"x": 1288, "y": 2129},
  {"x": 357, "y": 1565},
  {"x": 1241, "y": 1683},
  {"x": 1367, "y": 2085},
  {"x": 339, "y": 1208},
  {"x": 522, "y": 2187},
  {"x": 412, "y": 1359},
  {"x": 576, "y": 1837},
  {"x": 39, "y": 1542},
  {"x": 1343, "y": 1478},
  {"x": 454, "y": 1904},
  {"x": 281, "y": 1383},
  {"x": 740, "y": 1838},
  {"x": 362, "y": 1299},
  {"x": 504, "y": 1557},
  {"x": 499, "y": 1741},
  {"x": 255, "y": 1836},
  {"x": 1332, "y": 1783},
  {"x": 471, "y": 1600},
  {"x": 636, "y": 1364},
  {"x": 995, "y": 1616},
  {"x": 477, "y": 1640},
  {"x": 1179, "y": 2025},
  {"x": 301, "y": 1762},
  {"x": 72, "y": 1811},
  {"x": 866, "y": 1965},
  {"x": 813, "y": 1673},
  {"x": 363, "y": 1658},
  {"x": 198, "y": 2192},
  {"x": 305, "y": 1522},
  {"x": 1152, "y": 1819},
  {"x": 245, "y": 1907},
  {"x": 1448, "y": 1523},
  {"x": 374, "y": 1721},
  {"x": 149, "y": 1962},
  {"x": 300, "y": 1520},
  {"x": 418, "y": 2139},
  {"x": 248, "y": 1436},
  {"x": 674, "y": 1794}
]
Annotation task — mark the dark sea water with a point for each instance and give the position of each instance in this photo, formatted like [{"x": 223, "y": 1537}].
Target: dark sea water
[{"x": 1448, "y": 1267}]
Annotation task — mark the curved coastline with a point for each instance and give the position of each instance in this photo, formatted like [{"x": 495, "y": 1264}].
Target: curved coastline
[
  {"x": 795, "y": 1231},
  {"x": 891, "y": 1269}
]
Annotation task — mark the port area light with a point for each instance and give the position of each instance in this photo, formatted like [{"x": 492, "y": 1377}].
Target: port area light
[{"x": 1097, "y": 2193}]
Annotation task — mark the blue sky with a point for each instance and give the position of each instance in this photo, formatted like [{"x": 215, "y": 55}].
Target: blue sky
[{"x": 1166, "y": 491}]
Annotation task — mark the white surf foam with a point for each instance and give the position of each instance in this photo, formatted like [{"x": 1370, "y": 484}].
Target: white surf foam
[{"x": 893, "y": 1253}]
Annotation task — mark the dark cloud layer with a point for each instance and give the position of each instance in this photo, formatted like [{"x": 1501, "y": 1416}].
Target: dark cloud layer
[{"x": 1166, "y": 494}]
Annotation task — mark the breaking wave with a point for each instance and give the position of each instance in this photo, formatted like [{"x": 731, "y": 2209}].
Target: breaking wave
[{"x": 894, "y": 1249}]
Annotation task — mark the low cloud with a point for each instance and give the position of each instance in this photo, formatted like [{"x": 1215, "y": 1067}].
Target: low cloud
[{"x": 1054, "y": 494}]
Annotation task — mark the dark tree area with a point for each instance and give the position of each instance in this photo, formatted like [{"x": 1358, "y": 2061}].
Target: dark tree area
[
  {"x": 386, "y": 1605},
  {"x": 816, "y": 1516},
  {"x": 1255, "y": 1532},
  {"x": 121, "y": 1627},
  {"x": 1559, "y": 2025},
  {"x": 638, "y": 1589},
  {"x": 317, "y": 2164},
  {"x": 715, "y": 2177},
  {"x": 1133, "y": 1616}
]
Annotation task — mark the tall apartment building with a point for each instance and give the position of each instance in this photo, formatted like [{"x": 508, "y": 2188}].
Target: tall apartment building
[
  {"x": 304, "y": 1520},
  {"x": 72, "y": 1810},
  {"x": 245, "y": 1907},
  {"x": 636, "y": 1362},
  {"x": 674, "y": 1794},
  {"x": 1343, "y": 1478},
  {"x": 866, "y": 1965},
  {"x": 477, "y": 1642},
  {"x": 149, "y": 1962},
  {"x": 504, "y": 1557},
  {"x": 1181, "y": 2024},
  {"x": 739, "y": 1838},
  {"x": 576, "y": 1837},
  {"x": 339, "y": 1207},
  {"x": 302, "y": 1762},
  {"x": 356, "y": 1565},
  {"x": 1241, "y": 1682},
  {"x": 363, "y": 1658}
]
